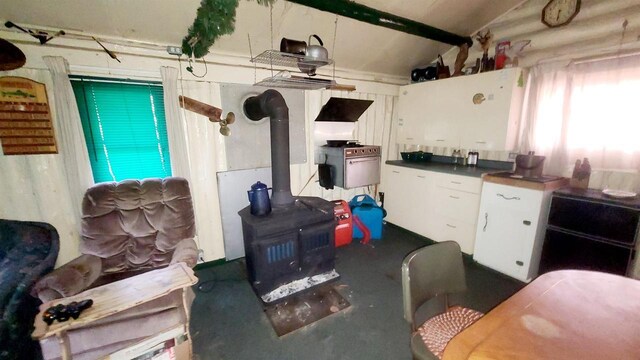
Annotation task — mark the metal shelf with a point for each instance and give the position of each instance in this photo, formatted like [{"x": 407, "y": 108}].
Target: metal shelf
[
  {"x": 295, "y": 82},
  {"x": 277, "y": 58}
]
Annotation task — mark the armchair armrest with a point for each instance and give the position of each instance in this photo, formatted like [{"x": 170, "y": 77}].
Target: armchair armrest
[
  {"x": 187, "y": 252},
  {"x": 69, "y": 279}
]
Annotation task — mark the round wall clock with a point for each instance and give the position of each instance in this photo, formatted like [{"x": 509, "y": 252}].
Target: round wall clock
[{"x": 560, "y": 12}]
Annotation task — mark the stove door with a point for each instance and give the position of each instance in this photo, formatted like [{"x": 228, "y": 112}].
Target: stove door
[{"x": 361, "y": 171}]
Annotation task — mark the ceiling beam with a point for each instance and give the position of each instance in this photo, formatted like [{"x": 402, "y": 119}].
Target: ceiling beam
[{"x": 369, "y": 15}]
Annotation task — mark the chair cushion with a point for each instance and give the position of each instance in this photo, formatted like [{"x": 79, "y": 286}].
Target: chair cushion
[{"x": 439, "y": 330}]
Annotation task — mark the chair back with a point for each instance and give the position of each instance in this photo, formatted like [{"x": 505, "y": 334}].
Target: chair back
[
  {"x": 136, "y": 224},
  {"x": 429, "y": 272}
]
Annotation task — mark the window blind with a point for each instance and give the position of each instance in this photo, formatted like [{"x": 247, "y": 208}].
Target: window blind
[{"x": 124, "y": 127}]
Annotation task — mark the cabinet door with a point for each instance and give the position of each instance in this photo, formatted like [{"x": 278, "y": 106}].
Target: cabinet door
[
  {"x": 506, "y": 230},
  {"x": 405, "y": 198},
  {"x": 441, "y": 106},
  {"x": 491, "y": 124},
  {"x": 411, "y": 114}
]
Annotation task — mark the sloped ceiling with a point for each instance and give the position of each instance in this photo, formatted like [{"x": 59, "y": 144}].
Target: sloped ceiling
[{"x": 358, "y": 46}]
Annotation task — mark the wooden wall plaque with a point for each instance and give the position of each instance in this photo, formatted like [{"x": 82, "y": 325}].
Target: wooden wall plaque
[{"x": 25, "y": 118}]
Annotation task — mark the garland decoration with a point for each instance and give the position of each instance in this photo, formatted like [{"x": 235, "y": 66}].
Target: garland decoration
[{"x": 213, "y": 19}]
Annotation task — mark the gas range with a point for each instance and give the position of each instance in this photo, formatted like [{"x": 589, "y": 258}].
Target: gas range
[{"x": 353, "y": 165}]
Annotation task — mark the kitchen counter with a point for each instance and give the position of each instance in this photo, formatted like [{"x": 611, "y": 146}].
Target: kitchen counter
[
  {"x": 473, "y": 171},
  {"x": 598, "y": 196},
  {"x": 546, "y": 186}
]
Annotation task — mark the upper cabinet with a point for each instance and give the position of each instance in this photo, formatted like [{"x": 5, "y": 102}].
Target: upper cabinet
[{"x": 479, "y": 111}]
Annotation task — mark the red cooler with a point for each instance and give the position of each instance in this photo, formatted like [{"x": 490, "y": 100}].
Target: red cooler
[{"x": 344, "y": 229}]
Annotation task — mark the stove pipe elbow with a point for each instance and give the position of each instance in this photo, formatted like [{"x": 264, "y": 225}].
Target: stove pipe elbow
[{"x": 271, "y": 103}]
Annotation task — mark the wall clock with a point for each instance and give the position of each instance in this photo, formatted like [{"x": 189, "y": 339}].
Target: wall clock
[{"x": 560, "y": 12}]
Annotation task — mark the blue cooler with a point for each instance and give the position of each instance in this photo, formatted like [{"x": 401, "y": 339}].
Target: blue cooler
[{"x": 368, "y": 211}]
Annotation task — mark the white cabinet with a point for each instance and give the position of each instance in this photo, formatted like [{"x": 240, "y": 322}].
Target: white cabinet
[
  {"x": 411, "y": 114},
  {"x": 435, "y": 205},
  {"x": 406, "y": 198},
  {"x": 455, "y": 202},
  {"x": 510, "y": 229},
  {"x": 443, "y": 112}
]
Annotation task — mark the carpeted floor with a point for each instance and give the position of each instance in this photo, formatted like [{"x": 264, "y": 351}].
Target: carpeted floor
[{"x": 228, "y": 321}]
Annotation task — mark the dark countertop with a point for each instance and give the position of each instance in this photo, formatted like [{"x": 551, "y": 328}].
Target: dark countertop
[
  {"x": 598, "y": 196},
  {"x": 473, "y": 171}
]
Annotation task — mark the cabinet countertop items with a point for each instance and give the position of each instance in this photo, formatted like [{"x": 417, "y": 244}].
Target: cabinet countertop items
[
  {"x": 511, "y": 223},
  {"x": 472, "y": 112},
  {"x": 473, "y": 171},
  {"x": 591, "y": 231}
]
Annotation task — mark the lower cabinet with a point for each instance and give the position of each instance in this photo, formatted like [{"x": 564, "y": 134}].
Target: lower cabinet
[
  {"x": 510, "y": 231},
  {"x": 438, "y": 206}
]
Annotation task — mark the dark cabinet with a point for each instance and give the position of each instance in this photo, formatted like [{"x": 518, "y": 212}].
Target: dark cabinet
[{"x": 587, "y": 230}]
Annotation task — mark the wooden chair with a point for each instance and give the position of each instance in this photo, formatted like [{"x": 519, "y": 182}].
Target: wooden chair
[{"x": 431, "y": 272}]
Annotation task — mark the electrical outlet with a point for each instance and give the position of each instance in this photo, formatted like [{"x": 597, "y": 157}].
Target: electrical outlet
[
  {"x": 512, "y": 155},
  {"x": 174, "y": 50}
]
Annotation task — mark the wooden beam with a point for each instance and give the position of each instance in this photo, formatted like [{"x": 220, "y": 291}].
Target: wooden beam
[
  {"x": 369, "y": 15},
  {"x": 212, "y": 112}
]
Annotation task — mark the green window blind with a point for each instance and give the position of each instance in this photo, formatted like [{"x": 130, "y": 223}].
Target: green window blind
[{"x": 124, "y": 127}]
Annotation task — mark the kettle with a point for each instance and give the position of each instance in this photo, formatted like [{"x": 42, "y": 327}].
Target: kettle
[
  {"x": 315, "y": 56},
  {"x": 259, "y": 199}
]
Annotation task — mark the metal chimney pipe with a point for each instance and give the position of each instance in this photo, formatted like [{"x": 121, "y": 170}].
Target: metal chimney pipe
[{"x": 271, "y": 103}]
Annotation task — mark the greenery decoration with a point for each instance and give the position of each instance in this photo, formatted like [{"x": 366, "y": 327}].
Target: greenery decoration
[{"x": 213, "y": 19}]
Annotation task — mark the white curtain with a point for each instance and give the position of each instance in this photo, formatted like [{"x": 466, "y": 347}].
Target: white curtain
[
  {"x": 195, "y": 145},
  {"x": 35, "y": 187},
  {"x": 584, "y": 110},
  {"x": 71, "y": 144},
  {"x": 175, "y": 125}
]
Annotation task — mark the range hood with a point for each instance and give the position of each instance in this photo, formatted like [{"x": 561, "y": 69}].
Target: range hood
[{"x": 343, "y": 109}]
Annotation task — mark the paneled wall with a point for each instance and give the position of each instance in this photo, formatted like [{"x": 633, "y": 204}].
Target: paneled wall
[
  {"x": 33, "y": 187},
  {"x": 598, "y": 29}
]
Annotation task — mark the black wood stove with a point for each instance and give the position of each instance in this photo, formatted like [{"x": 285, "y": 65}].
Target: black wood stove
[{"x": 292, "y": 248}]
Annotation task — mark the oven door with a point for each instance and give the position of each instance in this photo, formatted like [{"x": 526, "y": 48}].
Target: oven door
[{"x": 361, "y": 171}]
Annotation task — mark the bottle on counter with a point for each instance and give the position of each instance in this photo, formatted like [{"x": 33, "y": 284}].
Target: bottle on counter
[{"x": 473, "y": 158}]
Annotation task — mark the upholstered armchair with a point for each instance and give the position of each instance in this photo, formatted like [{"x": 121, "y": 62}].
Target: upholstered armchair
[{"x": 128, "y": 228}]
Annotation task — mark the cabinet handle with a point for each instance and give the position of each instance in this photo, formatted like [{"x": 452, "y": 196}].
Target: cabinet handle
[
  {"x": 509, "y": 198},
  {"x": 397, "y": 172},
  {"x": 526, "y": 222},
  {"x": 454, "y": 197},
  {"x": 421, "y": 176},
  {"x": 486, "y": 222},
  {"x": 409, "y": 138},
  {"x": 481, "y": 142},
  {"x": 456, "y": 182},
  {"x": 451, "y": 226},
  {"x": 519, "y": 263},
  {"x": 440, "y": 140}
]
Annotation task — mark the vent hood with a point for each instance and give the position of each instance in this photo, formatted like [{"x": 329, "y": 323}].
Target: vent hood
[{"x": 343, "y": 110}]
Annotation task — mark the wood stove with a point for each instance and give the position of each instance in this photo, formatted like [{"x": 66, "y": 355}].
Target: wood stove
[{"x": 292, "y": 248}]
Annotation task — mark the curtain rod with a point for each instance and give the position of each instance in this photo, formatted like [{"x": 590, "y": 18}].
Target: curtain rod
[{"x": 605, "y": 57}]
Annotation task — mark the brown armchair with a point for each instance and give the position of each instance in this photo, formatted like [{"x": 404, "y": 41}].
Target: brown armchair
[{"x": 128, "y": 228}]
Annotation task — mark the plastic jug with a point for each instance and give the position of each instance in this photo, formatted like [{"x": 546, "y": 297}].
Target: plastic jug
[{"x": 259, "y": 199}]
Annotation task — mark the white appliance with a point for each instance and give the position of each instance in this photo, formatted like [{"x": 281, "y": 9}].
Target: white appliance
[{"x": 510, "y": 230}]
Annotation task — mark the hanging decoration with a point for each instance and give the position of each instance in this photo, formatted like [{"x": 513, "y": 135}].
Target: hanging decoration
[{"x": 214, "y": 19}]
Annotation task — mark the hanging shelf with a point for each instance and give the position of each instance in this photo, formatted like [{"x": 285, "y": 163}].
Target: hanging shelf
[
  {"x": 284, "y": 79},
  {"x": 277, "y": 58}
]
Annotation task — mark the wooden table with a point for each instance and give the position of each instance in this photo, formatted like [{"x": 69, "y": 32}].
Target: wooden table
[
  {"x": 116, "y": 297},
  {"x": 567, "y": 314}
]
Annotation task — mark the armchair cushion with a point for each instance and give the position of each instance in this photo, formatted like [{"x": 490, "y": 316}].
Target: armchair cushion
[
  {"x": 136, "y": 224},
  {"x": 69, "y": 279}
]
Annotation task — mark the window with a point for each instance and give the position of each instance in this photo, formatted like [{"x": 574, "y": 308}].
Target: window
[
  {"x": 124, "y": 127},
  {"x": 586, "y": 110}
]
